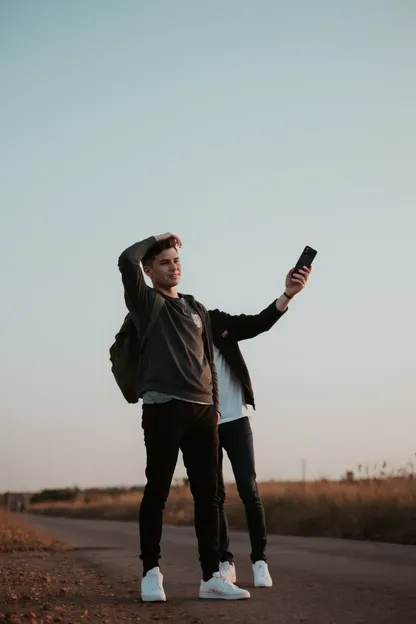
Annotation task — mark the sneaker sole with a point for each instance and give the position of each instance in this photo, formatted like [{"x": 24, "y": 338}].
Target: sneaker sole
[
  {"x": 212, "y": 596},
  {"x": 154, "y": 599},
  {"x": 262, "y": 585}
]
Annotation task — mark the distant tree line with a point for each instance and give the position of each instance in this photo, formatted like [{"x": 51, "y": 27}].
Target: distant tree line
[
  {"x": 58, "y": 495},
  {"x": 71, "y": 494}
]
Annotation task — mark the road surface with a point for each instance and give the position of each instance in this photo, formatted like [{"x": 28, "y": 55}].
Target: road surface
[{"x": 316, "y": 581}]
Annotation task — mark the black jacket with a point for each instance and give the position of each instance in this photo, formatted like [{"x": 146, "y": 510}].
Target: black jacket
[
  {"x": 140, "y": 300},
  {"x": 229, "y": 329}
]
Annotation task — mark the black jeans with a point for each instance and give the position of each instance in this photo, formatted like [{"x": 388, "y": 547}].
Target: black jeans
[
  {"x": 192, "y": 428},
  {"x": 236, "y": 438}
]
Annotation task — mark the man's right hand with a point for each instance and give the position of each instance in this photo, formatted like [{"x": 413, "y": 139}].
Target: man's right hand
[{"x": 162, "y": 237}]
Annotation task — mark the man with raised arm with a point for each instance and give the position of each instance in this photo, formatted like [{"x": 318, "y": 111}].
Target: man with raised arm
[{"x": 177, "y": 381}]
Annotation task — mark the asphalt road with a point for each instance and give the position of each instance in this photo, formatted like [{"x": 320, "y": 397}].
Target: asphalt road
[{"x": 316, "y": 581}]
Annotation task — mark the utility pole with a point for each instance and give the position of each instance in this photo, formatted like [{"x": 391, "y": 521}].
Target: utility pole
[{"x": 304, "y": 471}]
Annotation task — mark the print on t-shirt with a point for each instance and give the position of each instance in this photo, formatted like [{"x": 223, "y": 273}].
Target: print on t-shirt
[{"x": 197, "y": 320}]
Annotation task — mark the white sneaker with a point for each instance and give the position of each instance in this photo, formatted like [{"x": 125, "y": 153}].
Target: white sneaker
[
  {"x": 220, "y": 588},
  {"x": 227, "y": 569},
  {"x": 262, "y": 576},
  {"x": 152, "y": 586}
]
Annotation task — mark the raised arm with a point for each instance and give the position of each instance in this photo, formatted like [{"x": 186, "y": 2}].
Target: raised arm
[
  {"x": 138, "y": 296},
  {"x": 245, "y": 326}
]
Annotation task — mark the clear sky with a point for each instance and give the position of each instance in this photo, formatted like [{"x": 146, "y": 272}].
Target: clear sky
[{"x": 250, "y": 129}]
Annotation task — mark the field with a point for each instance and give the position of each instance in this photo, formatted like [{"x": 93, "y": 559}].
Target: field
[{"x": 378, "y": 509}]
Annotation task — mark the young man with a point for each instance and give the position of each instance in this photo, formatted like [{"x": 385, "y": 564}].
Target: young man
[
  {"x": 177, "y": 381},
  {"x": 236, "y": 392}
]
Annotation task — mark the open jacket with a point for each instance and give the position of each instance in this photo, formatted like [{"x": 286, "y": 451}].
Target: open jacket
[
  {"x": 229, "y": 329},
  {"x": 140, "y": 300}
]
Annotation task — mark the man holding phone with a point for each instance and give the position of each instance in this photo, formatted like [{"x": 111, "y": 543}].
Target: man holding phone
[{"x": 235, "y": 434}]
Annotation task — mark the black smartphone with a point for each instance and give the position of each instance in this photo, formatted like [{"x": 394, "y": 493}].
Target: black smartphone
[{"x": 305, "y": 259}]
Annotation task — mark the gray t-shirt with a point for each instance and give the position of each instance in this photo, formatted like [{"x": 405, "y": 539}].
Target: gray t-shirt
[
  {"x": 174, "y": 364},
  {"x": 150, "y": 397}
]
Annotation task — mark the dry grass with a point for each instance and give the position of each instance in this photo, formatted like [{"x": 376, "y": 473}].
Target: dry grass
[
  {"x": 381, "y": 509},
  {"x": 17, "y": 536}
]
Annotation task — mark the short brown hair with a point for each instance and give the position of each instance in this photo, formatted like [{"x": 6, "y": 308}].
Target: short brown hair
[{"x": 157, "y": 248}]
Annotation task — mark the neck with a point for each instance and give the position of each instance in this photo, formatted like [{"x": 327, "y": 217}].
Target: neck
[{"x": 169, "y": 292}]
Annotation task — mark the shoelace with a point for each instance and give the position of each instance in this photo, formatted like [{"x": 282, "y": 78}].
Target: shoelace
[
  {"x": 261, "y": 571},
  {"x": 225, "y": 579}
]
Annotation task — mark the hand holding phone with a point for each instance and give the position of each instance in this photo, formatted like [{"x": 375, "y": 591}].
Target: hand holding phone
[{"x": 296, "y": 278}]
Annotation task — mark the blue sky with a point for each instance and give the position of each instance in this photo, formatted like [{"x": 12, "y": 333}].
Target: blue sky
[{"x": 250, "y": 129}]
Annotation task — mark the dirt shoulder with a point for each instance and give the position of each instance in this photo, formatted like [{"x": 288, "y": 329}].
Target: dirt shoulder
[
  {"x": 47, "y": 587},
  {"x": 44, "y": 581}
]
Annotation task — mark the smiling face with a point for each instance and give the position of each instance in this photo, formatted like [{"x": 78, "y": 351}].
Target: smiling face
[{"x": 164, "y": 269}]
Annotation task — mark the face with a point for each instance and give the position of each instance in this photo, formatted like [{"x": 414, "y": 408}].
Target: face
[{"x": 165, "y": 271}]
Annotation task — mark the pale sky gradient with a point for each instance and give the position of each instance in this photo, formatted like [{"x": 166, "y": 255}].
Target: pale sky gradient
[{"x": 250, "y": 129}]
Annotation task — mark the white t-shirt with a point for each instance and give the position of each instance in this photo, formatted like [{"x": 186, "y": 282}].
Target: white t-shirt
[{"x": 232, "y": 405}]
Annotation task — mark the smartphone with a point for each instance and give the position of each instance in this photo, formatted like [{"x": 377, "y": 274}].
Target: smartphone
[{"x": 305, "y": 259}]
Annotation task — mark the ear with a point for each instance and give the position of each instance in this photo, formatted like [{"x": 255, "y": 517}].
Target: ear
[{"x": 147, "y": 271}]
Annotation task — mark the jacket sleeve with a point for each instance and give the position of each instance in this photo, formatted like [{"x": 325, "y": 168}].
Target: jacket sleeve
[
  {"x": 245, "y": 326},
  {"x": 138, "y": 296},
  {"x": 209, "y": 347}
]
